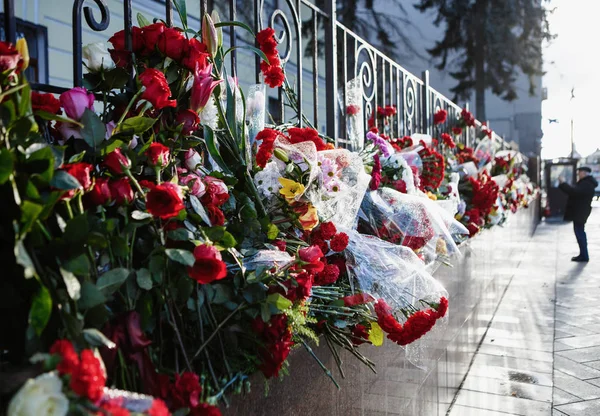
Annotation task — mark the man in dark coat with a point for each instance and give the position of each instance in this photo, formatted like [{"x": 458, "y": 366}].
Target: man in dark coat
[{"x": 579, "y": 207}]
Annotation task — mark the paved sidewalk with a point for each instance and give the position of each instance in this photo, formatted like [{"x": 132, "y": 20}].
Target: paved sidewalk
[{"x": 541, "y": 352}]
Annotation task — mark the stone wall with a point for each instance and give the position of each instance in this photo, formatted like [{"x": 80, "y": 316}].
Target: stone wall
[{"x": 476, "y": 284}]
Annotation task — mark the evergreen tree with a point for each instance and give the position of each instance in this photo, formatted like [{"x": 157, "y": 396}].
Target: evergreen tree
[{"x": 487, "y": 42}]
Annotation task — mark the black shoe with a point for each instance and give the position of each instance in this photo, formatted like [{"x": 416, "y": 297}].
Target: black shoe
[{"x": 580, "y": 259}]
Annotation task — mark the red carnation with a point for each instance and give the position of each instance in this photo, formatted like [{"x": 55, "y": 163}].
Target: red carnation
[
  {"x": 360, "y": 335},
  {"x": 319, "y": 242},
  {"x": 328, "y": 276},
  {"x": 186, "y": 390},
  {"x": 266, "y": 138},
  {"x": 274, "y": 76},
  {"x": 457, "y": 130},
  {"x": 159, "y": 408},
  {"x": 87, "y": 379},
  {"x": 443, "y": 307},
  {"x": 280, "y": 244},
  {"x": 117, "y": 162},
  {"x": 277, "y": 339},
  {"x": 158, "y": 154},
  {"x": 339, "y": 242},
  {"x": 440, "y": 116},
  {"x": 45, "y": 102},
  {"x": 157, "y": 89},
  {"x": 375, "y": 174},
  {"x": 205, "y": 409},
  {"x": 121, "y": 191},
  {"x": 352, "y": 110},
  {"x": 209, "y": 265},
  {"x": 327, "y": 230},
  {"x": 112, "y": 409},
  {"x": 164, "y": 201},
  {"x": 447, "y": 140},
  {"x": 300, "y": 135},
  {"x": 69, "y": 360}
]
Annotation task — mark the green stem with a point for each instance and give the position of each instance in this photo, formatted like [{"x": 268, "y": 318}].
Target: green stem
[
  {"x": 325, "y": 369},
  {"x": 44, "y": 230},
  {"x": 133, "y": 100},
  {"x": 135, "y": 182},
  {"x": 241, "y": 305},
  {"x": 69, "y": 209}
]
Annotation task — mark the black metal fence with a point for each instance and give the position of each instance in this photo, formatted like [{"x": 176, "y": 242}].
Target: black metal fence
[{"x": 325, "y": 62}]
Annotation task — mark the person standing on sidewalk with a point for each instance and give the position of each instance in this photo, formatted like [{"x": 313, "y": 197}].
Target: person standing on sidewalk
[{"x": 579, "y": 207}]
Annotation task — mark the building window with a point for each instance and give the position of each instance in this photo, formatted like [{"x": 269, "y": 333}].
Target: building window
[{"x": 37, "y": 42}]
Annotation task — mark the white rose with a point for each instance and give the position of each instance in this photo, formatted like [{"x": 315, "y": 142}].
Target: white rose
[
  {"x": 41, "y": 396},
  {"x": 96, "y": 56}
]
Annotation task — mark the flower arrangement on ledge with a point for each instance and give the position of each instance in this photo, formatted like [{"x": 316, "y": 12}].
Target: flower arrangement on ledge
[{"x": 164, "y": 251}]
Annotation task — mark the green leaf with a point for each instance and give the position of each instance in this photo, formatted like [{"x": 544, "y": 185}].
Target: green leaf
[
  {"x": 90, "y": 296},
  {"x": 6, "y": 165},
  {"x": 135, "y": 125},
  {"x": 49, "y": 116},
  {"x": 255, "y": 293},
  {"x": 257, "y": 51},
  {"x": 180, "y": 256},
  {"x": 72, "y": 284},
  {"x": 42, "y": 161},
  {"x": 185, "y": 287},
  {"x": 97, "y": 339},
  {"x": 25, "y": 101},
  {"x": 265, "y": 312},
  {"x": 63, "y": 180},
  {"x": 272, "y": 231},
  {"x": 77, "y": 157},
  {"x": 24, "y": 260},
  {"x": 228, "y": 240},
  {"x": 209, "y": 137},
  {"x": 199, "y": 209},
  {"x": 157, "y": 266},
  {"x": 142, "y": 21},
  {"x": 180, "y": 234},
  {"x": 94, "y": 130},
  {"x": 77, "y": 229},
  {"x": 180, "y": 6},
  {"x": 279, "y": 301},
  {"x": 79, "y": 265},
  {"x": 223, "y": 293},
  {"x": 238, "y": 24},
  {"x": 30, "y": 212},
  {"x": 110, "y": 281},
  {"x": 144, "y": 279},
  {"x": 41, "y": 309},
  {"x": 215, "y": 233}
]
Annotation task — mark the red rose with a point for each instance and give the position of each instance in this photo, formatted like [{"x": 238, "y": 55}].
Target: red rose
[
  {"x": 159, "y": 408},
  {"x": 117, "y": 162},
  {"x": 312, "y": 256},
  {"x": 157, "y": 89},
  {"x": 215, "y": 215},
  {"x": 195, "y": 55},
  {"x": 186, "y": 390},
  {"x": 327, "y": 230},
  {"x": 209, "y": 265},
  {"x": 147, "y": 184},
  {"x": 216, "y": 192},
  {"x": 172, "y": 43},
  {"x": 280, "y": 244},
  {"x": 358, "y": 299},
  {"x": 339, "y": 242},
  {"x": 119, "y": 54},
  {"x": 328, "y": 276},
  {"x": 151, "y": 34},
  {"x": 189, "y": 120},
  {"x": 81, "y": 172},
  {"x": 69, "y": 359},
  {"x": 274, "y": 76},
  {"x": 158, "y": 154},
  {"x": 164, "y": 201},
  {"x": 121, "y": 191},
  {"x": 45, "y": 102},
  {"x": 440, "y": 116},
  {"x": 9, "y": 57},
  {"x": 87, "y": 380},
  {"x": 100, "y": 193}
]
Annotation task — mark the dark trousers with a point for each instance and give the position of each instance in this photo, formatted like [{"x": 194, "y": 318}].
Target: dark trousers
[{"x": 579, "y": 229}]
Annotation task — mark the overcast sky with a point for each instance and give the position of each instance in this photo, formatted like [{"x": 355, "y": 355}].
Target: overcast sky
[{"x": 572, "y": 60}]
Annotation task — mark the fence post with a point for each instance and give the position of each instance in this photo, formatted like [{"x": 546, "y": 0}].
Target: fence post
[
  {"x": 425, "y": 116},
  {"x": 10, "y": 23},
  {"x": 331, "y": 68},
  {"x": 468, "y": 130}
]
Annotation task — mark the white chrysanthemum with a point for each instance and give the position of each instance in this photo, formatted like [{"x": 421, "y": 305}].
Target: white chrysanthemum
[
  {"x": 267, "y": 181},
  {"x": 40, "y": 396},
  {"x": 209, "y": 114}
]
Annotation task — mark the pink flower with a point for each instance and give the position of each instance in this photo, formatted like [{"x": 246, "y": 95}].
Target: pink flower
[
  {"x": 202, "y": 88},
  {"x": 192, "y": 159},
  {"x": 194, "y": 183},
  {"x": 75, "y": 101}
]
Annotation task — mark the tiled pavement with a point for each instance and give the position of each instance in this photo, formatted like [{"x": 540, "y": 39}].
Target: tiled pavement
[{"x": 541, "y": 352}]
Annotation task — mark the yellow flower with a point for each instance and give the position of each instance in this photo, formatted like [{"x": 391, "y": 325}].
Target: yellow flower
[
  {"x": 291, "y": 190},
  {"x": 431, "y": 196},
  {"x": 376, "y": 334},
  {"x": 308, "y": 218},
  {"x": 24, "y": 52}
]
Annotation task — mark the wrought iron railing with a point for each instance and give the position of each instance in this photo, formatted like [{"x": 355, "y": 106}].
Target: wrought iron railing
[{"x": 314, "y": 46}]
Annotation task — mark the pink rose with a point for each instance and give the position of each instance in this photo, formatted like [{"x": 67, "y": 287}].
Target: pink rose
[
  {"x": 75, "y": 101},
  {"x": 194, "y": 183}
]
